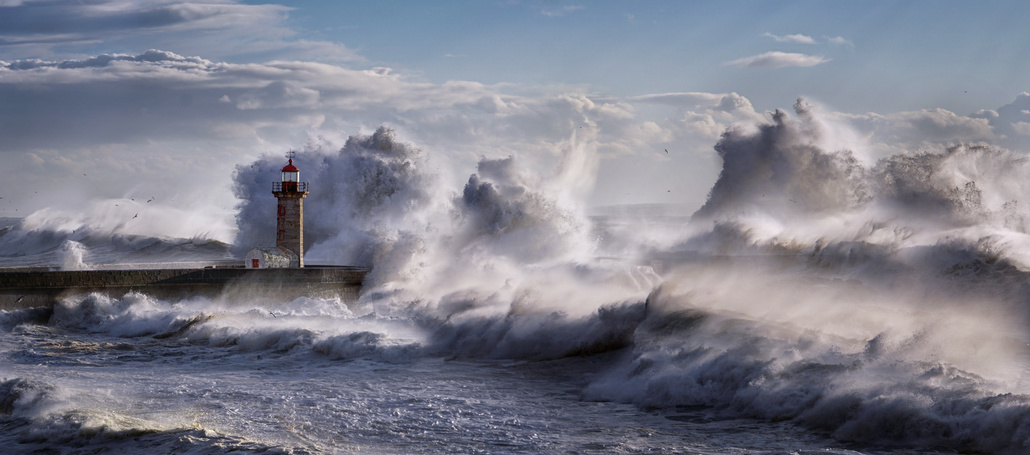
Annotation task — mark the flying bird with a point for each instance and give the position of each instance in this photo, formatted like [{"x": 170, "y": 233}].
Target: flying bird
[
  {"x": 666, "y": 150},
  {"x": 134, "y": 216}
]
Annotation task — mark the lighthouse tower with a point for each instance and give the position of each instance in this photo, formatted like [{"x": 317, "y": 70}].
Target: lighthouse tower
[{"x": 289, "y": 222}]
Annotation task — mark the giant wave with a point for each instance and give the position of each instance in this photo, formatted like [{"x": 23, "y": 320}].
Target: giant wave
[{"x": 882, "y": 303}]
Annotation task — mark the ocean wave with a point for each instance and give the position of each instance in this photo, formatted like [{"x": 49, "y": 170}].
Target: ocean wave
[
  {"x": 863, "y": 362},
  {"x": 883, "y": 303},
  {"x": 42, "y": 240}
]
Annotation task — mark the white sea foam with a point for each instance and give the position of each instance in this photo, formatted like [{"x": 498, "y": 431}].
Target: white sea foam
[{"x": 882, "y": 303}]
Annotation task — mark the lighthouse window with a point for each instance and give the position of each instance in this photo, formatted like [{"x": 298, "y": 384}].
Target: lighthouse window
[{"x": 291, "y": 176}]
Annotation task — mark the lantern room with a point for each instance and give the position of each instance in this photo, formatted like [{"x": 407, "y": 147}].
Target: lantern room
[
  {"x": 290, "y": 182},
  {"x": 291, "y": 176},
  {"x": 291, "y": 173}
]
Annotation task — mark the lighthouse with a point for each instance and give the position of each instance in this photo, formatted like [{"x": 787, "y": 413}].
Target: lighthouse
[{"x": 289, "y": 224}]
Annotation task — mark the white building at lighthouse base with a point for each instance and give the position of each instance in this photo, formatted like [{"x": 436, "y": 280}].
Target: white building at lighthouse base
[{"x": 273, "y": 257}]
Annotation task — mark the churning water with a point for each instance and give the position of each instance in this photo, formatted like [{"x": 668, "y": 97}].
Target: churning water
[{"x": 815, "y": 304}]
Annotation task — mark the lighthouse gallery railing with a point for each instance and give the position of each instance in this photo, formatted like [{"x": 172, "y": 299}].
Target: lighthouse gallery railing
[{"x": 300, "y": 187}]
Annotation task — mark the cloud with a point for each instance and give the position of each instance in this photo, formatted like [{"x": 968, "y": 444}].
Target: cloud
[
  {"x": 839, "y": 41},
  {"x": 107, "y": 16},
  {"x": 140, "y": 119},
  {"x": 729, "y": 107},
  {"x": 1021, "y": 128},
  {"x": 932, "y": 129},
  {"x": 684, "y": 99},
  {"x": 212, "y": 27},
  {"x": 927, "y": 129},
  {"x": 1011, "y": 123},
  {"x": 559, "y": 12},
  {"x": 796, "y": 38},
  {"x": 777, "y": 60},
  {"x": 170, "y": 125},
  {"x": 146, "y": 120}
]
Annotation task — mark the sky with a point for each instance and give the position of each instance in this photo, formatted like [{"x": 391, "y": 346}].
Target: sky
[{"x": 115, "y": 102}]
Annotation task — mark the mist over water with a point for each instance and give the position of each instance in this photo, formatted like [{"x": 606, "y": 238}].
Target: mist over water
[
  {"x": 115, "y": 233},
  {"x": 881, "y": 304}
]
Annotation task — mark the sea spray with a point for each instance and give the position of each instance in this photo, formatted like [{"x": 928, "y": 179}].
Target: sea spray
[
  {"x": 860, "y": 360},
  {"x": 882, "y": 304},
  {"x": 113, "y": 233},
  {"x": 784, "y": 167},
  {"x": 72, "y": 256},
  {"x": 382, "y": 206},
  {"x": 374, "y": 187}
]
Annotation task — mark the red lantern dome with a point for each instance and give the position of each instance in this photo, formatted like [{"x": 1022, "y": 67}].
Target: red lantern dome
[
  {"x": 291, "y": 173},
  {"x": 290, "y": 167}
]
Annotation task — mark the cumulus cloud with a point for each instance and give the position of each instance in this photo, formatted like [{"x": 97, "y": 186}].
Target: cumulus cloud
[
  {"x": 146, "y": 120},
  {"x": 942, "y": 124},
  {"x": 777, "y": 60},
  {"x": 933, "y": 129},
  {"x": 139, "y": 119},
  {"x": 927, "y": 129},
  {"x": 1021, "y": 128},
  {"x": 1010, "y": 123},
  {"x": 795, "y": 38}
]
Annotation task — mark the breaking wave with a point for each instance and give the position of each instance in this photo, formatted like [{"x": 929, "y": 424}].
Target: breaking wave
[
  {"x": 41, "y": 418},
  {"x": 110, "y": 233},
  {"x": 882, "y": 303}
]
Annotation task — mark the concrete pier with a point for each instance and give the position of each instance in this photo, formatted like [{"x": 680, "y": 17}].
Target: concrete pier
[{"x": 30, "y": 289}]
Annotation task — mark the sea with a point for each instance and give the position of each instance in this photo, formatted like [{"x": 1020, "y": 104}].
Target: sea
[{"x": 820, "y": 302}]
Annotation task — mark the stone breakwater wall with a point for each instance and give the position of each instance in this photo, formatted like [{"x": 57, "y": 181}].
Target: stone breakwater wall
[{"x": 30, "y": 289}]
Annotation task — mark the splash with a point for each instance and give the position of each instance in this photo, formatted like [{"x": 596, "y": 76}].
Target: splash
[
  {"x": 510, "y": 242},
  {"x": 72, "y": 254},
  {"x": 881, "y": 303},
  {"x": 785, "y": 167},
  {"x": 373, "y": 187},
  {"x": 878, "y": 302},
  {"x": 113, "y": 233}
]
